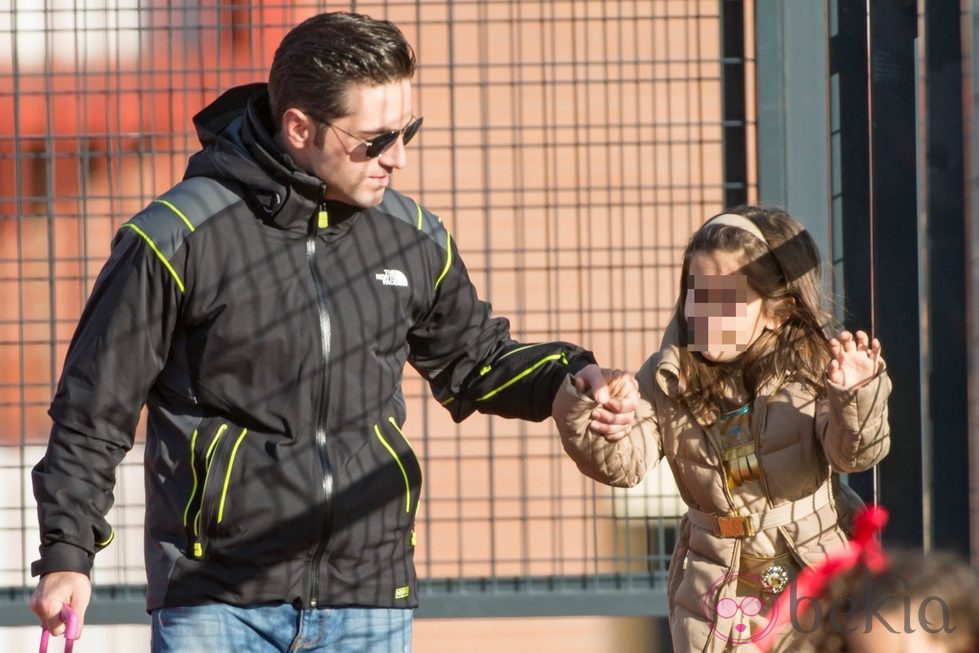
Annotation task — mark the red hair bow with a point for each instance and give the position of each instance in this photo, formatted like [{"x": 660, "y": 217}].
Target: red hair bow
[{"x": 863, "y": 549}]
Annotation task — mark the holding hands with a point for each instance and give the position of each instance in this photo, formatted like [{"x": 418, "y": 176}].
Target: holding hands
[
  {"x": 617, "y": 394},
  {"x": 855, "y": 360}
]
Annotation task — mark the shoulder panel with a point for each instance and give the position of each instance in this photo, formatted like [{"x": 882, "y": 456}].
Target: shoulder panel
[
  {"x": 408, "y": 210},
  {"x": 173, "y": 216}
]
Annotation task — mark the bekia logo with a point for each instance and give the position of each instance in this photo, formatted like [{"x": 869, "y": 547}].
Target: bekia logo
[
  {"x": 393, "y": 278},
  {"x": 739, "y": 619},
  {"x": 753, "y": 618}
]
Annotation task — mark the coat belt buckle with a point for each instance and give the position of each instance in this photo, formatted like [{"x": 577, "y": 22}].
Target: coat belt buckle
[{"x": 733, "y": 526}]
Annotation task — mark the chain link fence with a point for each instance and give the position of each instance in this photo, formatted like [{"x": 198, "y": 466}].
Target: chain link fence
[{"x": 571, "y": 148}]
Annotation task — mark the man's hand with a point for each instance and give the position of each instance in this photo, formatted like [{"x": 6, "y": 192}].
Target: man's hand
[
  {"x": 617, "y": 394},
  {"x": 56, "y": 589},
  {"x": 855, "y": 359}
]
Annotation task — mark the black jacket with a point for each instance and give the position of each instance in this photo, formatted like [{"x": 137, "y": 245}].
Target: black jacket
[{"x": 267, "y": 332}]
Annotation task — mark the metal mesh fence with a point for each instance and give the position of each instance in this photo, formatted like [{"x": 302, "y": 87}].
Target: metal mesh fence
[{"x": 571, "y": 148}]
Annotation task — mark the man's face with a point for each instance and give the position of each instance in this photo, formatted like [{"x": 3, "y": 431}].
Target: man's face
[
  {"x": 341, "y": 159},
  {"x": 724, "y": 314}
]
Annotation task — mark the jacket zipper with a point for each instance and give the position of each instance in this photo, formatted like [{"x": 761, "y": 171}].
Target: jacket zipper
[
  {"x": 397, "y": 459},
  {"x": 209, "y": 458},
  {"x": 324, "y": 323},
  {"x": 198, "y": 526},
  {"x": 713, "y": 440}
]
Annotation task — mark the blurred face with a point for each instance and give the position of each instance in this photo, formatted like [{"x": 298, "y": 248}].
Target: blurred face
[
  {"x": 341, "y": 160},
  {"x": 724, "y": 315}
]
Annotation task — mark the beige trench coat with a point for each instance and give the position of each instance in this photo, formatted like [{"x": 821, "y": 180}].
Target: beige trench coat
[{"x": 800, "y": 441}]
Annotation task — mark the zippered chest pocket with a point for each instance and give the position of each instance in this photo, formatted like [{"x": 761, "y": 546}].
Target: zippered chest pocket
[{"x": 212, "y": 461}]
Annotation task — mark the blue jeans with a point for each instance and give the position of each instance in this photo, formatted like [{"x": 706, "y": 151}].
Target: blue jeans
[{"x": 280, "y": 628}]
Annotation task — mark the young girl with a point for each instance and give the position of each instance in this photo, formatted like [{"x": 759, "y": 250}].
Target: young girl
[{"x": 754, "y": 407}]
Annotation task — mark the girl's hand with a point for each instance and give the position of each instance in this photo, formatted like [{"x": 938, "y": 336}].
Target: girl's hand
[
  {"x": 617, "y": 394},
  {"x": 855, "y": 359}
]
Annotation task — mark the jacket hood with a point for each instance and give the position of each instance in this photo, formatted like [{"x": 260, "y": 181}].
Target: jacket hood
[
  {"x": 239, "y": 149},
  {"x": 667, "y": 365}
]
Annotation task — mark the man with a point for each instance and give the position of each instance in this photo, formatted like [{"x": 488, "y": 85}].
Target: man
[{"x": 263, "y": 310}]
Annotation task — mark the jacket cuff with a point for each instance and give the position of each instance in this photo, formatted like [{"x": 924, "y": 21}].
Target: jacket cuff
[
  {"x": 572, "y": 410},
  {"x": 61, "y": 556},
  {"x": 866, "y": 391},
  {"x": 580, "y": 361}
]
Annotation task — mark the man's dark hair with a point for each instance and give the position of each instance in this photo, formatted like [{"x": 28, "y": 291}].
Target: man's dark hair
[{"x": 321, "y": 58}]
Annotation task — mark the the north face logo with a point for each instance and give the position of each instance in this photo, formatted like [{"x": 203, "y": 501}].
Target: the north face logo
[{"x": 393, "y": 278}]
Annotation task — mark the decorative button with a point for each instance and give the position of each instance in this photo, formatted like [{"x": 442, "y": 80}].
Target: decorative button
[{"x": 774, "y": 579}]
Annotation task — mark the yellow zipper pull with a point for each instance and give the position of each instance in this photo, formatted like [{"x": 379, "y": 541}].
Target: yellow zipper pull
[{"x": 322, "y": 218}]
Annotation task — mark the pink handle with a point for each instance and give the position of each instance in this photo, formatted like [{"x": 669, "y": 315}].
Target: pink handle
[{"x": 70, "y": 619}]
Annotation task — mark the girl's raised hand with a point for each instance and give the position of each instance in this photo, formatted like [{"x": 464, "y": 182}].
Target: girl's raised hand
[{"x": 855, "y": 359}]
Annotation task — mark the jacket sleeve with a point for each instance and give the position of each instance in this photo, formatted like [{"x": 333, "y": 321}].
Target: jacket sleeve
[
  {"x": 472, "y": 363},
  {"x": 852, "y": 424},
  {"x": 119, "y": 347},
  {"x": 620, "y": 463}
]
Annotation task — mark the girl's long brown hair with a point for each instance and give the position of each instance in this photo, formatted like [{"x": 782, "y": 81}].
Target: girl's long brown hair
[{"x": 786, "y": 274}]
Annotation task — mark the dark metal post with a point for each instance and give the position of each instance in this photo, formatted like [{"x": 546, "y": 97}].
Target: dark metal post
[
  {"x": 850, "y": 152},
  {"x": 894, "y": 215},
  {"x": 969, "y": 43},
  {"x": 947, "y": 338},
  {"x": 876, "y": 224},
  {"x": 735, "y": 115}
]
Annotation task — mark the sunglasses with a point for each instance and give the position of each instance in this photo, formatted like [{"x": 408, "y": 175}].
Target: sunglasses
[{"x": 380, "y": 143}]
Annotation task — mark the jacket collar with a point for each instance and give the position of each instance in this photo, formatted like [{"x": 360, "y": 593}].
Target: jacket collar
[
  {"x": 668, "y": 376},
  {"x": 238, "y": 136},
  {"x": 259, "y": 137}
]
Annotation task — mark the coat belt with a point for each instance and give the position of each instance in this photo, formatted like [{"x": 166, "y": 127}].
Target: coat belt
[{"x": 748, "y": 525}]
